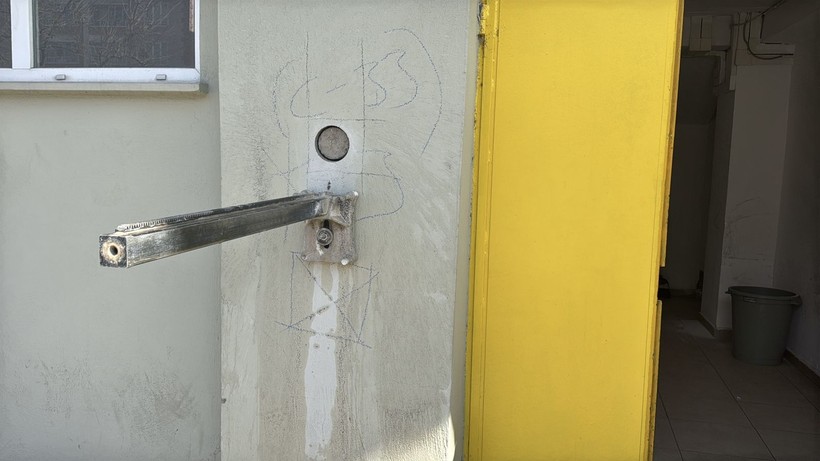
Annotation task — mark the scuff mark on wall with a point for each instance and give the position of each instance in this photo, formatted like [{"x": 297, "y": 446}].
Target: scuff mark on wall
[{"x": 150, "y": 407}]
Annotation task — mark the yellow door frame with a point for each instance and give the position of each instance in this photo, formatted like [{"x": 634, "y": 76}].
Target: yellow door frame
[
  {"x": 646, "y": 149},
  {"x": 479, "y": 244}
]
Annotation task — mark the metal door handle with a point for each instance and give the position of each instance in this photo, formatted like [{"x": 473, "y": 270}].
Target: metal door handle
[{"x": 328, "y": 234}]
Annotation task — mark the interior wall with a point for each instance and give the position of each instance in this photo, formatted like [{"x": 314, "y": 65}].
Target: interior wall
[
  {"x": 753, "y": 185},
  {"x": 98, "y": 363},
  {"x": 716, "y": 225},
  {"x": 755, "y": 180},
  {"x": 691, "y": 173},
  {"x": 797, "y": 265}
]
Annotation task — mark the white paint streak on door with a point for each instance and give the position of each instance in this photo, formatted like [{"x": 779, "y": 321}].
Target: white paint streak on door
[{"x": 320, "y": 372}]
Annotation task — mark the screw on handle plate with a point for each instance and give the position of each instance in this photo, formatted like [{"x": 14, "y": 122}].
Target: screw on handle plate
[{"x": 330, "y": 239}]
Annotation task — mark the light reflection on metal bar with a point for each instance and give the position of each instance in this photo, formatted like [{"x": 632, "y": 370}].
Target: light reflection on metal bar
[{"x": 138, "y": 243}]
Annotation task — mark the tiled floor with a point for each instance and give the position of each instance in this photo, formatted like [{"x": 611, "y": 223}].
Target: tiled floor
[{"x": 716, "y": 408}]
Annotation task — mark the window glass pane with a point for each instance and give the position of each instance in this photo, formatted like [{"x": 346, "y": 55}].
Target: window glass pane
[
  {"x": 5, "y": 33},
  {"x": 115, "y": 33}
]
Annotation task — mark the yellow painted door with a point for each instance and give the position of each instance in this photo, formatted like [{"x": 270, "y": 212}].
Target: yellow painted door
[{"x": 576, "y": 107}]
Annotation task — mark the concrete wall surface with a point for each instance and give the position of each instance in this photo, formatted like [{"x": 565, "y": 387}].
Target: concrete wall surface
[
  {"x": 321, "y": 361},
  {"x": 96, "y": 363},
  {"x": 797, "y": 265}
]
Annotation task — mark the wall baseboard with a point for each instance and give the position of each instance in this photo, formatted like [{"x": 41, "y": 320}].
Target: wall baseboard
[
  {"x": 720, "y": 335},
  {"x": 706, "y": 324},
  {"x": 802, "y": 367}
]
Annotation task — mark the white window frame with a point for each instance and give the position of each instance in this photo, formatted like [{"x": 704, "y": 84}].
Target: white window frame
[{"x": 22, "y": 58}]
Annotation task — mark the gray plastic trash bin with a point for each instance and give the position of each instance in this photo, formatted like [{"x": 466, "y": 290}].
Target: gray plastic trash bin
[{"x": 760, "y": 323}]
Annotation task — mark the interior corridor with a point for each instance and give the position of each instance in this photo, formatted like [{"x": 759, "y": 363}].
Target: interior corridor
[{"x": 714, "y": 407}]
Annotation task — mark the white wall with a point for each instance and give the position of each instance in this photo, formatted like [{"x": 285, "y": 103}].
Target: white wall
[
  {"x": 716, "y": 224},
  {"x": 328, "y": 362},
  {"x": 750, "y": 224},
  {"x": 95, "y": 363},
  {"x": 797, "y": 265}
]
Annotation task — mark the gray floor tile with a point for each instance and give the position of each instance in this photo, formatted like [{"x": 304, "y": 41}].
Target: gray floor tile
[
  {"x": 803, "y": 384},
  {"x": 666, "y": 454},
  {"x": 694, "y": 456},
  {"x": 794, "y": 419},
  {"x": 707, "y": 399},
  {"x": 683, "y": 387},
  {"x": 719, "y": 439},
  {"x": 792, "y": 446},
  {"x": 773, "y": 389},
  {"x": 756, "y": 383},
  {"x": 660, "y": 410},
  {"x": 721, "y": 357},
  {"x": 711, "y": 346},
  {"x": 676, "y": 366},
  {"x": 672, "y": 361},
  {"x": 693, "y": 408},
  {"x": 663, "y": 435},
  {"x": 697, "y": 332}
]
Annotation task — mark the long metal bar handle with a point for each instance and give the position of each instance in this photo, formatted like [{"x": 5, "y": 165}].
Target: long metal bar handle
[{"x": 142, "y": 242}]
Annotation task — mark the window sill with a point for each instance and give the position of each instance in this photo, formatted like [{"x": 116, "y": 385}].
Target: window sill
[{"x": 192, "y": 89}]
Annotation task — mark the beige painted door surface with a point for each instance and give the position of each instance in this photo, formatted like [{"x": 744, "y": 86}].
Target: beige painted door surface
[{"x": 321, "y": 361}]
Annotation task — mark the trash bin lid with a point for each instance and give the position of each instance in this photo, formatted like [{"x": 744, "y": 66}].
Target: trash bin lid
[{"x": 770, "y": 294}]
